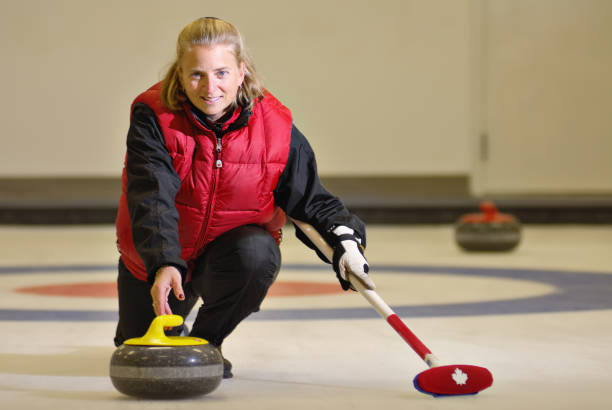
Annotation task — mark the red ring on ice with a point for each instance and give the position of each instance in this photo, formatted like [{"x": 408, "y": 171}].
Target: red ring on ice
[{"x": 109, "y": 289}]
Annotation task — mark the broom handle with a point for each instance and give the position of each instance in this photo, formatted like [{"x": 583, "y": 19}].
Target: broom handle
[{"x": 372, "y": 297}]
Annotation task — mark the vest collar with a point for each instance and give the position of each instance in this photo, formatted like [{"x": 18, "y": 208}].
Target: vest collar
[{"x": 231, "y": 121}]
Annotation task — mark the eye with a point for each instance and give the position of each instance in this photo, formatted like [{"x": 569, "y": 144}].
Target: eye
[
  {"x": 196, "y": 75},
  {"x": 222, "y": 73}
]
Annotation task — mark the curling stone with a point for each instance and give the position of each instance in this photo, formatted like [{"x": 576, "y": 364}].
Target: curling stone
[
  {"x": 166, "y": 367},
  {"x": 488, "y": 231}
]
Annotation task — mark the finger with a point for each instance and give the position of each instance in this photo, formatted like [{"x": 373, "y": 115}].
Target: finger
[
  {"x": 343, "y": 271},
  {"x": 369, "y": 283},
  {"x": 158, "y": 293},
  {"x": 160, "y": 300},
  {"x": 166, "y": 308},
  {"x": 157, "y": 308},
  {"x": 362, "y": 278},
  {"x": 178, "y": 290}
]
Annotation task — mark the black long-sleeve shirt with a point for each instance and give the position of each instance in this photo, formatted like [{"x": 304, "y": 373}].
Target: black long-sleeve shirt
[{"x": 153, "y": 183}]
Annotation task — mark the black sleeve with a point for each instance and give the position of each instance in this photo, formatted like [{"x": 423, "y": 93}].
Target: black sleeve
[
  {"x": 152, "y": 184},
  {"x": 302, "y": 196}
]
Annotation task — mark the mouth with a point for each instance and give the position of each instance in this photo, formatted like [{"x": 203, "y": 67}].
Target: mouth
[{"x": 211, "y": 100}]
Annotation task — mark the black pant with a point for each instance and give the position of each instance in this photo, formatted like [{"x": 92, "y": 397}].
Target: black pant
[{"x": 232, "y": 277}]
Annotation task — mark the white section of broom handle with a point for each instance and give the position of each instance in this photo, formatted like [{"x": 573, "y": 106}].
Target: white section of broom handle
[{"x": 371, "y": 296}]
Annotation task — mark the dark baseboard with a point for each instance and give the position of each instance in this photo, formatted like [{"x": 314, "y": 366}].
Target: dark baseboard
[{"x": 377, "y": 200}]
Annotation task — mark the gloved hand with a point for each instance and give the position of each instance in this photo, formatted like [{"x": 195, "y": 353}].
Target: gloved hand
[{"x": 348, "y": 259}]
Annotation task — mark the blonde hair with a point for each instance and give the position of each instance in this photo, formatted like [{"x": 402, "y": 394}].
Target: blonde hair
[{"x": 210, "y": 31}]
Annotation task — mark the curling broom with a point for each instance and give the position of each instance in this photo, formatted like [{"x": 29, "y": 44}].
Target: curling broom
[{"x": 438, "y": 380}]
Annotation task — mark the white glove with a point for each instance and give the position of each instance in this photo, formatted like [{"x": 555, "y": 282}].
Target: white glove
[{"x": 349, "y": 260}]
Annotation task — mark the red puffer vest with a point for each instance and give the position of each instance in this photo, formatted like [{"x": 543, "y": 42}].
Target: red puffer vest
[{"x": 221, "y": 191}]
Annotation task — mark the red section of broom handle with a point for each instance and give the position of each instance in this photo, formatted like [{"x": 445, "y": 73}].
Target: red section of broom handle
[
  {"x": 414, "y": 342},
  {"x": 381, "y": 307}
]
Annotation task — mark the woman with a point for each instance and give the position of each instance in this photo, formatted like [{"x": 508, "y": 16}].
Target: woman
[{"x": 213, "y": 164}]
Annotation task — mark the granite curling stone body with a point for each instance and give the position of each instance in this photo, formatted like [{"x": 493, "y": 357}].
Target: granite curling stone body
[
  {"x": 160, "y": 366},
  {"x": 489, "y": 230}
]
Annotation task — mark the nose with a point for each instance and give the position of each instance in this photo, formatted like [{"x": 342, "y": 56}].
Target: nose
[{"x": 208, "y": 84}]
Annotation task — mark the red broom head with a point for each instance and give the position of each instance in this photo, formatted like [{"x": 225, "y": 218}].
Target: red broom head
[{"x": 453, "y": 380}]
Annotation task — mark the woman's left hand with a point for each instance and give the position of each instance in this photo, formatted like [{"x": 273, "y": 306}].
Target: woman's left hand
[{"x": 348, "y": 259}]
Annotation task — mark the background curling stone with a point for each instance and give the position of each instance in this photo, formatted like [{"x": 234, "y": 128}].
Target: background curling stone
[
  {"x": 488, "y": 231},
  {"x": 161, "y": 367}
]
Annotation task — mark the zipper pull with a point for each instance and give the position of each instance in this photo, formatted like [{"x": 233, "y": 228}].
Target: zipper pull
[{"x": 219, "y": 163}]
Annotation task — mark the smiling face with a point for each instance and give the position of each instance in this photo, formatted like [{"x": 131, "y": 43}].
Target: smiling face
[{"x": 211, "y": 76}]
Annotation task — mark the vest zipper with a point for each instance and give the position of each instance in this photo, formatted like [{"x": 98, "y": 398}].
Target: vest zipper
[
  {"x": 213, "y": 189},
  {"x": 219, "y": 163}
]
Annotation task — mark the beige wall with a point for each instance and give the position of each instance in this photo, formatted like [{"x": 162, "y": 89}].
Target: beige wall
[
  {"x": 380, "y": 87},
  {"x": 548, "y": 94}
]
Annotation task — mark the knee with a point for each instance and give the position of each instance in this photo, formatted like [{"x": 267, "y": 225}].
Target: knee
[
  {"x": 238, "y": 259},
  {"x": 257, "y": 255}
]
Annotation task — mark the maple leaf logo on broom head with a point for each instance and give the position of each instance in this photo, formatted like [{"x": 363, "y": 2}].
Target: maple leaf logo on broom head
[{"x": 459, "y": 377}]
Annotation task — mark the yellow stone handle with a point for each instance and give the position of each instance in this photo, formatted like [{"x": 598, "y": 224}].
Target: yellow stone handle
[
  {"x": 156, "y": 329},
  {"x": 155, "y": 336}
]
